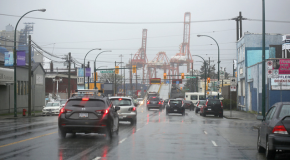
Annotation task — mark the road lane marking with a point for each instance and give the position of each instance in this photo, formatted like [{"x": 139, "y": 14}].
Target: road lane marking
[
  {"x": 122, "y": 140},
  {"x": 26, "y": 140},
  {"x": 97, "y": 158},
  {"x": 138, "y": 129},
  {"x": 214, "y": 144},
  {"x": 205, "y": 132}
]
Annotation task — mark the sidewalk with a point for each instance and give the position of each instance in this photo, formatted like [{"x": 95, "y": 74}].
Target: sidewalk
[
  {"x": 19, "y": 115},
  {"x": 242, "y": 115}
]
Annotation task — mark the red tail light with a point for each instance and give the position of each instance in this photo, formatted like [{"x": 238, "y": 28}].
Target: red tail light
[
  {"x": 134, "y": 109},
  {"x": 197, "y": 104},
  {"x": 103, "y": 111},
  {"x": 206, "y": 104},
  {"x": 280, "y": 129},
  {"x": 120, "y": 99},
  {"x": 63, "y": 110},
  {"x": 159, "y": 102},
  {"x": 148, "y": 102},
  {"x": 222, "y": 104}
]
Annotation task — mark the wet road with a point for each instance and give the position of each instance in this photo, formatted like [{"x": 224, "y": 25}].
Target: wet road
[{"x": 155, "y": 136}]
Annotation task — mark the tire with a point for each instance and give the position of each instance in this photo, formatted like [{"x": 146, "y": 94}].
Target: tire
[
  {"x": 109, "y": 133},
  {"x": 160, "y": 109},
  {"x": 259, "y": 147},
  {"x": 117, "y": 131},
  {"x": 204, "y": 114},
  {"x": 269, "y": 153},
  {"x": 61, "y": 133},
  {"x": 183, "y": 114},
  {"x": 148, "y": 108},
  {"x": 200, "y": 113},
  {"x": 221, "y": 115},
  {"x": 195, "y": 110},
  {"x": 133, "y": 121},
  {"x": 166, "y": 112}
]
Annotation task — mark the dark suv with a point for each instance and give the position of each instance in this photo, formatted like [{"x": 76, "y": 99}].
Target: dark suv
[
  {"x": 95, "y": 114},
  {"x": 212, "y": 106},
  {"x": 154, "y": 102}
]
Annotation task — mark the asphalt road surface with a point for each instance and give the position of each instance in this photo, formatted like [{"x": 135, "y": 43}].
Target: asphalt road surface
[{"x": 155, "y": 136}]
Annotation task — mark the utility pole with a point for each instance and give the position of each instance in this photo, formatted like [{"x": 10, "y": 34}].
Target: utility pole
[
  {"x": 209, "y": 67},
  {"x": 69, "y": 66},
  {"x": 88, "y": 76},
  {"x": 263, "y": 61},
  {"x": 241, "y": 28},
  {"x": 124, "y": 83},
  {"x": 115, "y": 80},
  {"x": 136, "y": 81},
  {"x": 29, "y": 75},
  {"x": 121, "y": 69},
  {"x": 131, "y": 76}
]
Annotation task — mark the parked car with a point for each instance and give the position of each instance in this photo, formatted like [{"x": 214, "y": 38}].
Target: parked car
[
  {"x": 94, "y": 114},
  {"x": 62, "y": 102},
  {"x": 164, "y": 103},
  {"x": 155, "y": 103},
  {"x": 51, "y": 108},
  {"x": 128, "y": 111},
  {"x": 175, "y": 106},
  {"x": 212, "y": 106},
  {"x": 199, "y": 104},
  {"x": 274, "y": 132}
]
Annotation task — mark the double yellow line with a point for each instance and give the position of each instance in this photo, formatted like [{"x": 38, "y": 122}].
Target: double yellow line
[{"x": 26, "y": 140}]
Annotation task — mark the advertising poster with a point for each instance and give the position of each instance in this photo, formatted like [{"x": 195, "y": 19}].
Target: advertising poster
[
  {"x": 284, "y": 67},
  {"x": 8, "y": 59},
  {"x": 20, "y": 58},
  {"x": 88, "y": 72}
]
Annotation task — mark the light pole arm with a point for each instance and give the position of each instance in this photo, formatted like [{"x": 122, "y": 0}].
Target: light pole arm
[
  {"x": 204, "y": 75},
  {"x": 85, "y": 64}
]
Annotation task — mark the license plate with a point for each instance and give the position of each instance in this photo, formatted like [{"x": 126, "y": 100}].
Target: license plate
[
  {"x": 175, "y": 110},
  {"x": 83, "y": 115},
  {"x": 209, "y": 109}
]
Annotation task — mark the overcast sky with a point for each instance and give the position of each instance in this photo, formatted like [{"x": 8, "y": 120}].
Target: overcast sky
[{"x": 59, "y": 37}]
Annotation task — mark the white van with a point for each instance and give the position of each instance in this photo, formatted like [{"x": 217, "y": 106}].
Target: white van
[
  {"x": 214, "y": 95},
  {"x": 194, "y": 97}
]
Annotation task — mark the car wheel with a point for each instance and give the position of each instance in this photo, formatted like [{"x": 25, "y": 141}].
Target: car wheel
[
  {"x": 195, "y": 110},
  {"x": 200, "y": 113},
  {"x": 269, "y": 153},
  {"x": 183, "y": 114},
  {"x": 117, "y": 131},
  {"x": 166, "y": 112},
  {"x": 148, "y": 108},
  {"x": 61, "y": 133},
  {"x": 160, "y": 109},
  {"x": 221, "y": 115},
  {"x": 204, "y": 114},
  {"x": 259, "y": 147}
]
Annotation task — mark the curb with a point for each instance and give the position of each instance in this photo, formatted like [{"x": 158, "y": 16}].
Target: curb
[{"x": 232, "y": 118}]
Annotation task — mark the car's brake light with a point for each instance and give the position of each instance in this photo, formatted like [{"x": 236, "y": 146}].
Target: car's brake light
[
  {"x": 222, "y": 104},
  {"x": 105, "y": 111},
  {"x": 206, "y": 104},
  {"x": 120, "y": 99},
  {"x": 85, "y": 99},
  {"x": 280, "y": 129},
  {"x": 134, "y": 109},
  {"x": 148, "y": 102},
  {"x": 63, "y": 110},
  {"x": 159, "y": 102},
  {"x": 197, "y": 104}
]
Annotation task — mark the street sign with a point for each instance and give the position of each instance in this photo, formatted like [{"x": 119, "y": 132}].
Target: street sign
[
  {"x": 167, "y": 82},
  {"x": 107, "y": 71},
  {"x": 233, "y": 82},
  {"x": 222, "y": 75},
  {"x": 190, "y": 77},
  {"x": 233, "y": 89},
  {"x": 177, "y": 82}
]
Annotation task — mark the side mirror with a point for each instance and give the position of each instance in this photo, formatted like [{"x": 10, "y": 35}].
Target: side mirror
[
  {"x": 260, "y": 117},
  {"x": 117, "y": 108}
]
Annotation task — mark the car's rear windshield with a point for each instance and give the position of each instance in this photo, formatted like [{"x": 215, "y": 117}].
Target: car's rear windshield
[
  {"x": 175, "y": 101},
  {"x": 52, "y": 104},
  {"x": 213, "y": 102},
  {"x": 166, "y": 100},
  {"x": 285, "y": 111},
  {"x": 193, "y": 97},
  {"x": 121, "y": 102},
  {"x": 89, "y": 103},
  {"x": 201, "y": 97},
  {"x": 140, "y": 99},
  {"x": 202, "y": 102},
  {"x": 154, "y": 99}
]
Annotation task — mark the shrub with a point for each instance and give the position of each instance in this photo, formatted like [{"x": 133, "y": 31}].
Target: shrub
[{"x": 226, "y": 104}]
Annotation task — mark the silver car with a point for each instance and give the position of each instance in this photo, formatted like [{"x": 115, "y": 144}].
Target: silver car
[
  {"x": 51, "y": 108},
  {"x": 128, "y": 111}
]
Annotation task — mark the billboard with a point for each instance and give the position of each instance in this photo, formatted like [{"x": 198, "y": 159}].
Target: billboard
[
  {"x": 278, "y": 67},
  {"x": 8, "y": 59},
  {"x": 80, "y": 72},
  {"x": 88, "y": 72},
  {"x": 155, "y": 81}
]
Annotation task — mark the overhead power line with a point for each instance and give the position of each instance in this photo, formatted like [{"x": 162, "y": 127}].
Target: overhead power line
[{"x": 80, "y": 21}]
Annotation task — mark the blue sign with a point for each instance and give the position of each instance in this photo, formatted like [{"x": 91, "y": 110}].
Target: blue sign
[
  {"x": 88, "y": 72},
  {"x": 20, "y": 58},
  {"x": 8, "y": 60},
  {"x": 80, "y": 72},
  {"x": 177, "y": 82},
  {"x": 167, "y": 82}
]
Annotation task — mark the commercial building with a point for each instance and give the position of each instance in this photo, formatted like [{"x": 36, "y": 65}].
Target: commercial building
[{"x": 249, "y": 71}]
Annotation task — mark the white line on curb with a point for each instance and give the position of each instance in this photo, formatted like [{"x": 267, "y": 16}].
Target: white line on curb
[
  {"x": 213, "y": 142},
  {"x": 138, "y": 129},
  {"x": 97, "y": 158},
  {"x": 205, "y": 132}
]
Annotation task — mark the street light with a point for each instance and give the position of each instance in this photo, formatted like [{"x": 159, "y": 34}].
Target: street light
[
  {"x": 218, "y": 58},
  {"x": 95, "y": 70},
  {"x": 15, "y": 57},
  {"x": 95, "y": 63},
  {"x": 85, "y": 67},
  {"x": 204, "y": 75}
]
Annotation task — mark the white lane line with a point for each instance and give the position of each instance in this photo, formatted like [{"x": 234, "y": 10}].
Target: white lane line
[
  {"x": 97, "y": 158},
  {"x": 122, "y": 140},
  {"x": 214, "y": 144},
  {"x": 138, "y": 129},
  {"x": 205, "y": 132}
]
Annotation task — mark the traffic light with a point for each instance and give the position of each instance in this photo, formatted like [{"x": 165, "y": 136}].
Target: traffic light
[
  {"x": 134, "y": 68},
  {"x": 164, "y": 75},
  {"x": 116, "y": 69},
  {"x": 182, "y": 75},
  {"x": 208, "y": 80},
  {"x": 96, "y": 76}
]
